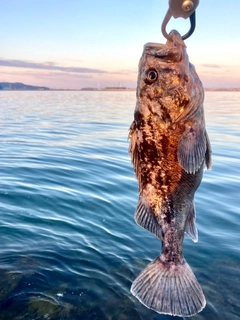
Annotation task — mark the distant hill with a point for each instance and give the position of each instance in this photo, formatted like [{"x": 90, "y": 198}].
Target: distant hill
[{"x": 19, "y": 86}]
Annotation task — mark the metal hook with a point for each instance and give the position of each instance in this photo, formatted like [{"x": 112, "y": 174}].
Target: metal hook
[
  {"x": 184, "y": 9},
  {"x": 193, "y": 26}
]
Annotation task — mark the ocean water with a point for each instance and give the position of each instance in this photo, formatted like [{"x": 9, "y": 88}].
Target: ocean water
[{"x": 69, "y": 246}]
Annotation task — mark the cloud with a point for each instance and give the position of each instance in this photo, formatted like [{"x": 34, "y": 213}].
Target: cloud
[
  {"x": 210, "y": 65},
  {"x": 47, "y": 66},
  {"x": 45, "y": 74},
  {"x": 125, "y": 71}
]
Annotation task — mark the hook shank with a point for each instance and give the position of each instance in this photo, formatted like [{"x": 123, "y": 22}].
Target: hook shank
[{"x": 184, "y": 9}]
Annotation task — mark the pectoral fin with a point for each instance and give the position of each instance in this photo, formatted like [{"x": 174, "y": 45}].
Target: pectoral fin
[
  {"x": 190, "y": 227},
  {"x": 192, "y": 147},
  {"x": 145, "y": 218}
]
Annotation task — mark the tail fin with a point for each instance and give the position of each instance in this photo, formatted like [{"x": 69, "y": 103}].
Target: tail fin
[{"x": 170, "y": 289}]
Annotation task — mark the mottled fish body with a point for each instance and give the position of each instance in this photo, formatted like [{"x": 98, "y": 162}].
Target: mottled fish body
[{"x": 169, "y": 147}]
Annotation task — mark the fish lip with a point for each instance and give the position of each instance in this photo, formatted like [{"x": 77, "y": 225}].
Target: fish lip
[
  {"x": 154, "y": 45},
  {"x": 163, "y": 52}
]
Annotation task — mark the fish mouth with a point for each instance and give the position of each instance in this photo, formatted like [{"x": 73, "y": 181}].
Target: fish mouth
[{"x": 163, "y": 52}]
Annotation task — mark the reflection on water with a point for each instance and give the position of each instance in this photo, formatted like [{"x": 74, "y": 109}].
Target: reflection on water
[{"x": 70, "y": 248}]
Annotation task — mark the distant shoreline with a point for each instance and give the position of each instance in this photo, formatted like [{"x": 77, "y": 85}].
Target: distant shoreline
[
  {"x": 19, "y": 86},
  {"x": 114, "y": 90}
]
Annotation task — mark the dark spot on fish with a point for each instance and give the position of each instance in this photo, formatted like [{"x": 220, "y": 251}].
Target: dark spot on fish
[
  {"x": 165, "y": 114},
  {"x": 164, "y": 144},
  {"x": 138, "y": 117},
  {"x": 186, "y": 77},
  {"x": 170, "y": 215},
  {"x": 168, "y": 70},
  {"x": 148, "y": 151}
]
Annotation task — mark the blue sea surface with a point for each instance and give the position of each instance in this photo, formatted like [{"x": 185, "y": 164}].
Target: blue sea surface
[{"x": 69, "y": 246}]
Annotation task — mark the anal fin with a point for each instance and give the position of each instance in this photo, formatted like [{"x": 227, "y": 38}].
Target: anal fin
[
  {"x": 190, "y": 227},
  {"x": 145, "y": 218}
]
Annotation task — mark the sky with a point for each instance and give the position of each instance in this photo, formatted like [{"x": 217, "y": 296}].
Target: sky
[{"x": 71, "y": 44}]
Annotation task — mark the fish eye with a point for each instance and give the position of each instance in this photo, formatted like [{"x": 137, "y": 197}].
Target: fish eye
[{"x": 151, "y": 75}]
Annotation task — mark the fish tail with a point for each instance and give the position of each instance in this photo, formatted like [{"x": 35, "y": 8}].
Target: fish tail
[{"x": 169, "y": 288}]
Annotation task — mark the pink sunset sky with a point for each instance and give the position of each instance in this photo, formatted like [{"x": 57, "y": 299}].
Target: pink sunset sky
[{"x": 98, "y": 43}]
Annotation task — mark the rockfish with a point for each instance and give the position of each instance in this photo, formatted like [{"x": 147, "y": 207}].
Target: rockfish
[{"x": 169, "y": 147}]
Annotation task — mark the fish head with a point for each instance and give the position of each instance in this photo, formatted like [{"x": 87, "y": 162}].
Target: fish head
[{"x": 168, "y": 85}]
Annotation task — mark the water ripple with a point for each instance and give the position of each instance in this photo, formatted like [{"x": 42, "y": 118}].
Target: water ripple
[{"x": 70, "y": 246}]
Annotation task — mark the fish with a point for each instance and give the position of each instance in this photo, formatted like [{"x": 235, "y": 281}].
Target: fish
[{"x": 169, "y": 148}]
